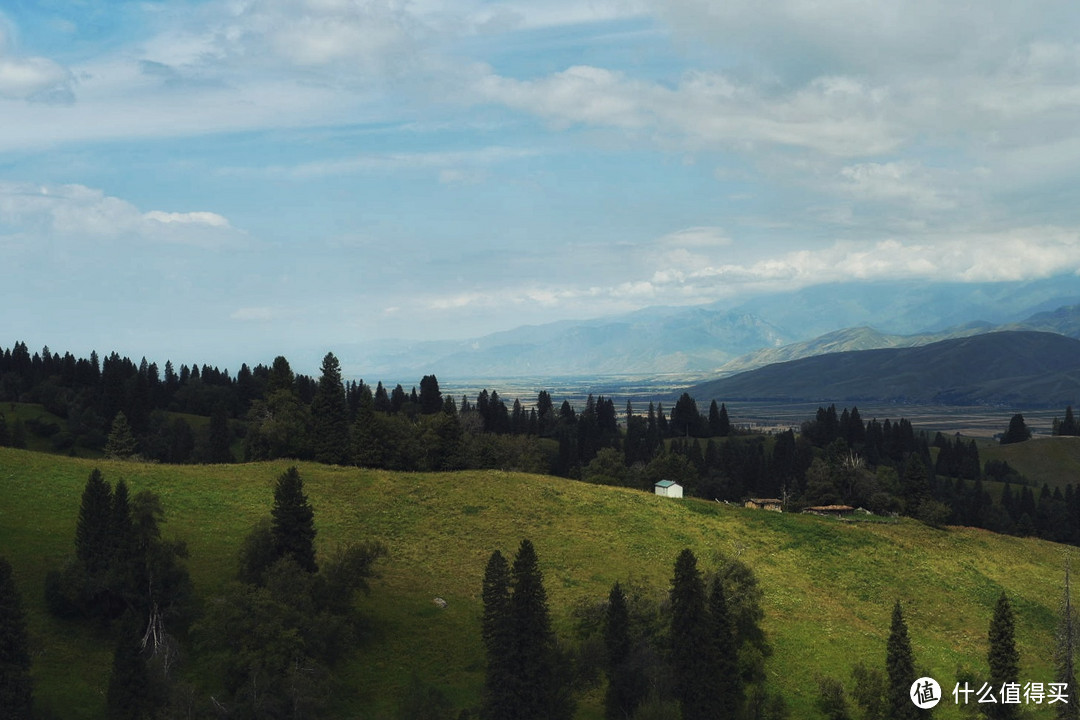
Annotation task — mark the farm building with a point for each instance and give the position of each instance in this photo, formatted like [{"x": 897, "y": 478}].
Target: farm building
[
  {"x": 830, "y": 510},
  {"x": 766, "y": 504},
  {"x": 668, "y": 488}
]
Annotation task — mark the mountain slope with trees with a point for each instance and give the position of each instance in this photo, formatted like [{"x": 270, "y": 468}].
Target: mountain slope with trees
[
  {"x": 1011, "y": 367},
  {"x": 827, "y": 588}
]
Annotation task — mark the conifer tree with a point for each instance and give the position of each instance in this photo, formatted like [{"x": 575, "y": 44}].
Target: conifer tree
[
  {"x": 723, "y": 423},
  {"x": 430, "y": 396},
  {"x": 1017, "y": 432},
  {"x": 330, "y": 415},
  {"x": 1065, "y": 654},
  {"x": 498, "y": 701},
  {"x": 292, "y": 523},
  {"x": 1003, "y": 657},
  {"x": 121, "y": 442},
  {"x": 92, "y": 527},
  {"x": 121, "y": 547},
  {"x": 1068, "y": 426},
  {"x": 723, "y": 676},
  {"x": 16, "y": 686},
  {"x": 900, "y": 668},
  {"x": 689, "y": 647},
  {"x": 626, "y": 688},
  {"x": 540, "y": 691}
]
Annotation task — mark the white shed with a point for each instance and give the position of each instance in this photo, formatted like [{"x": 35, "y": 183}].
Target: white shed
[{"x": 668, "y": 488}]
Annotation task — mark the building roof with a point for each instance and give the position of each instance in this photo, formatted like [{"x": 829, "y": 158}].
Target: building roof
[
  {"x": 830, "y": 508},
  {"x": 761, "y": 501},
  {"x": 666, "y": 483}
]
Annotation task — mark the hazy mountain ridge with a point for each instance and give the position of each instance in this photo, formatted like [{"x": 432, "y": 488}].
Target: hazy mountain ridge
[
  {"x": 1033, "y": 369},
  {"x": 724, "y": 338}
]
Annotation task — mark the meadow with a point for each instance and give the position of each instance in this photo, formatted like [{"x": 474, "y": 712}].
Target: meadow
[{"x": 829, "y": 586}]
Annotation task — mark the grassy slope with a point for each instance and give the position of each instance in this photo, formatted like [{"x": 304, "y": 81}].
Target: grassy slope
[
  {"x": 829, "y": 586},
  {"x": 1051, "y": 460}
]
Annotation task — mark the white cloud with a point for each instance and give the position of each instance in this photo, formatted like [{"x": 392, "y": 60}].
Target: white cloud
[
  {"x": 33, "y": 77},
  {"x": 699, "y": 237},
  {"x": 80, "y": 212},
  {"x": 832, "y": 115},
  {"x": 199, "y": 218}
]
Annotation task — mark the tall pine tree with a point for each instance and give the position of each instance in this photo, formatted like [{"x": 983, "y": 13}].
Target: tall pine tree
[
  {"x": 92, "y": 527},
  {"x": 900, "y": 668},
  {"x": 1003, "y": 657},
  {"x": 498, "y": 702},
  {"x": 540, "y": 688},
  {"x": 330, "y": 416},
  {"x": 292, "y": 524},
  {"x": 723, "y": 675},
  {"x": 16, "y": 687},
  {"x": 689, "y": 644},
  {"x": 626, "y": 686}
]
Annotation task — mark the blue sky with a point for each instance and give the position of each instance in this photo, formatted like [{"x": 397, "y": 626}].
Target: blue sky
[{"x": 225, "y": 181}]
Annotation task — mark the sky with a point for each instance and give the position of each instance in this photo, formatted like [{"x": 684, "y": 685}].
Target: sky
[{"x": 222, "y": 182}]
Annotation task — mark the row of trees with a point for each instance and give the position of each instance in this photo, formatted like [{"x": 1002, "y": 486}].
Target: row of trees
[
  {"x": 697, "y": 653},
  {"x": 889, "y": 694},
  {"x": 271, "y": 638}
]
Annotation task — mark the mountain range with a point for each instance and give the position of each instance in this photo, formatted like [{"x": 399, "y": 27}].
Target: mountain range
[
  {"x": 1008, "y": 368},
  {"x": 723, "y": 338}
]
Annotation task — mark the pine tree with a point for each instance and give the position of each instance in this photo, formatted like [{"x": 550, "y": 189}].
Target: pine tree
[
  {"x": 16, "y": 686},
  {"x": 1017, "y": 432},
  {"x": 900, "y": 668},
  {"x": 689, "y": 648},
  {"x": 430, "y": 395},
  {"x": 121, "y": 443},
  {"x": 330, "y": 416},
  {"x": 626, "y": 689},
  {"x": 121, "y": 548},
  {"x": 723, "y": 423},
  {"x": 293, "y": 521},
  {"x": 540, "y": 690},
  {"x": 724, "y": 684},
  {"x": 1003, "y": 657},
  {"x": 1065, "y": 655},
  {"x": 92, "y": 527},
  {"x": 1069, "y": 426},
  {"x": 498, "y": 702}
]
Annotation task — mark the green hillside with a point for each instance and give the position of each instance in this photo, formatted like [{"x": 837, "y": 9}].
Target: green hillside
[
  {"x": 1051, "y": 460},
  {"x": 829, "y": 586}
]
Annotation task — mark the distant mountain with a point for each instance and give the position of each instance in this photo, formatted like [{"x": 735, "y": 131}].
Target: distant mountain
[
  {"x": 652, "y": 341},
  {"x": 705, "y": 340},
  {"x": 1063, "y": 321},
  {"x": 846, "y": 340},
  {"x": 910, "y": 307},
  {"x": 1019, "y": 368}
]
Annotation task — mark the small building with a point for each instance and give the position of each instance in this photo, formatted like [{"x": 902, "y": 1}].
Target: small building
[
  {"x": 830, "y": 510},
  {"x": 668, "y": 488},
  {"x": 773, "y": 504}
]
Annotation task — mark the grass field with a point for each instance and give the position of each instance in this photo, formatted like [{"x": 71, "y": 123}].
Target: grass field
[
  {"x": 829, "y": 586},
  {"x": 1051, "y": 460}
]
